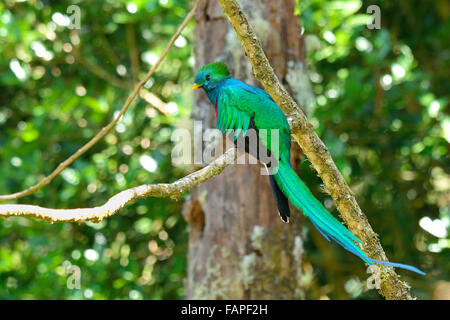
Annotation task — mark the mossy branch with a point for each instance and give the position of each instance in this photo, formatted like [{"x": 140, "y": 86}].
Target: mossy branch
[
  {"x": 118, "y": 201},
  {"x": 316, "y": 151}
]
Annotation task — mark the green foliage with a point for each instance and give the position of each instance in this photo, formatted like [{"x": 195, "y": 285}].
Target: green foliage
[
  {"x": 50, "y": 105},
  {"x": 382, "y": 110}
]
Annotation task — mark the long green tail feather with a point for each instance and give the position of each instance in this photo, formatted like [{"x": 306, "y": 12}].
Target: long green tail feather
[
  {"x": 302, "y": 198},
  {"x": 328, "y": 226}
]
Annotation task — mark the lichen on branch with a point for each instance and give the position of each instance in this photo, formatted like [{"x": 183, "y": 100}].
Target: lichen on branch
[{"x": 118, "y": 201}]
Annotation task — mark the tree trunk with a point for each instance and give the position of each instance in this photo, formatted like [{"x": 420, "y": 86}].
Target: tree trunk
[{"x": 238, "y": 247}]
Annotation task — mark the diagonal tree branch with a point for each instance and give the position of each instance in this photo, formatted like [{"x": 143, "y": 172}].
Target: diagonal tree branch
[
  {"x": 118, "y": 201},
  {"x": 315, "y": 150},
  {"x": 63, "y": 165}
]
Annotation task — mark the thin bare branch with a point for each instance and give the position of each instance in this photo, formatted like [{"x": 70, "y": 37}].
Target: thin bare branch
[
  {"x": 316, "y": 151},
  {"x": 63, "y": 165},
  {"x": 154, "y": 100},
  {"x": 118, "y": 201}
]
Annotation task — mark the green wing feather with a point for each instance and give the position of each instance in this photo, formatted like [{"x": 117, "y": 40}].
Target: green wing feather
[
  {"x": 239, "y": 125},
  {"x": 233, "y": 114},
  {"x": 221, "y": 117},
  {"x": 230, "y": 114},
  {"x": 229, "y": 121},
  {"x": 246, "y": 124},
  {"x": 236, "y": 106}
]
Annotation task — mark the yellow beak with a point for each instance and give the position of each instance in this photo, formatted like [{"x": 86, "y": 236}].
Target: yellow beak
[{"x": 196, "y": 86}]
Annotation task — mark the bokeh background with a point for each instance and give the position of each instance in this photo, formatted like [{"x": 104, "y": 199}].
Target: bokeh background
[{"x": 381, "y": 107}]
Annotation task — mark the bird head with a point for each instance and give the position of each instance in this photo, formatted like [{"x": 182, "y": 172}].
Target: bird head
[{"x": 209, "y": 76}]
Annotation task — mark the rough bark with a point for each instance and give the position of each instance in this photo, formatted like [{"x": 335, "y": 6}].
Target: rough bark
[{"x": 238, "y": 246}]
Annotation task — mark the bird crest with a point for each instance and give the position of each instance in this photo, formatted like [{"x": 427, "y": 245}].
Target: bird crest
[{"x": 218, "y": 68}]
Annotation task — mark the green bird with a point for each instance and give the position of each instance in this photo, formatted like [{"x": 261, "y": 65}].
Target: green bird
[{"x": 239, "y": 108}]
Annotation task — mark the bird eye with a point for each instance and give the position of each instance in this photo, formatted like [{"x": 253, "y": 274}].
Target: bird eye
[{"x": 208, "y": 77}]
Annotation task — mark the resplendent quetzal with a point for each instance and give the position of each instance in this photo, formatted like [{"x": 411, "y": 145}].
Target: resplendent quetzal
[{"x": 239, "y": 108}]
